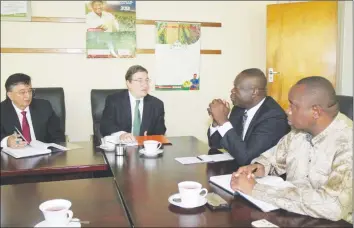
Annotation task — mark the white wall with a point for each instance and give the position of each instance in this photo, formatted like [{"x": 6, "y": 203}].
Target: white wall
[
  {"x": 242, "y": 41},
  {"x": 346, "y": 50}
]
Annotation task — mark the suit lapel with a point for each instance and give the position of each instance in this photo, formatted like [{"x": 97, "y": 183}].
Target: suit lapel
[
  {"x": 255, "y": 118},
  {"x": 35, "y": 118},
  {"x": 13, "y": 118},
  {"x": 236, "y": 117},
  {"x": 127, "y": 112},
  {"x": 146, "y": 115}
]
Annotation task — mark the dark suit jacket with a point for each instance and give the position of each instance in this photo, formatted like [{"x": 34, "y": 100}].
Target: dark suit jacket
[
  {"x": 117, "y": 115},
  {"x": 267, "y": 127},
  {"x": 46, "y": 124}
]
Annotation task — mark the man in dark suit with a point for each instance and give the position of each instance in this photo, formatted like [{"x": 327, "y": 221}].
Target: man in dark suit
[
  {"x": 256, "y": 122},
  {"x": 34, "y": 118},
  {"x": 133, "y": 112}
]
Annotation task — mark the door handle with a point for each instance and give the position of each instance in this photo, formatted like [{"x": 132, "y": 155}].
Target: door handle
[{"x": 271, "y": 74}]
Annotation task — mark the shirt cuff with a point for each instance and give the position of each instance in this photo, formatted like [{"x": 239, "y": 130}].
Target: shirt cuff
[
  {"x": 225, "y": 128},
  {"x": 4, "y": 142},
  {"x": 263, "y": 161},
  {"x": 118, "y": 134},
  {"x": 212, "y": 129}
]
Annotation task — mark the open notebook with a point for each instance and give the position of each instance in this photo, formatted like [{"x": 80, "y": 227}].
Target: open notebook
[
  {"x": 223, "y": 181},
  {"x": 33, "y": 149}
]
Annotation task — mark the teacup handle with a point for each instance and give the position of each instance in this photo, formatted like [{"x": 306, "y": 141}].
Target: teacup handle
[
  {"x": 70, "y": 215},
  {"x": 205, "y": 192},
  {"x": 160, "y": 144}
]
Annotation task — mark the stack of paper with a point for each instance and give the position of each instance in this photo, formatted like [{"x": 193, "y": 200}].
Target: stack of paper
[
  {"x": 27, "y": 151},
  {"x": 35, "y": 148},
  {"x": 223, "y": 181},
  {"x": 205, "y": 158}
]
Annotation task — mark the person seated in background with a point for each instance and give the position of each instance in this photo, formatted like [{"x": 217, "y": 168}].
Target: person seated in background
[
  {"x": 256, "y": 122},
  {"x": 34, "y": 118},
  {"x": 133, "y": 112},
  {"x": 316, "y": 156}
]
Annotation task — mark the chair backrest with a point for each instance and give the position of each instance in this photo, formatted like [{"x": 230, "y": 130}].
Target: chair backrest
[
  {"x": 98, "y": 100},
  {"x": 55, "y": 95},
  {"x": 346, "y": 105}
]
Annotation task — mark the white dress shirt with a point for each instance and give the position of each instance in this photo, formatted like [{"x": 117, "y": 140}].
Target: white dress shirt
[
  {"x": 20, "y": 117},
  {"x": 132, "y": 108},
  {"x": 107, "y": 19},
  {"x": 227, "y": 126}
]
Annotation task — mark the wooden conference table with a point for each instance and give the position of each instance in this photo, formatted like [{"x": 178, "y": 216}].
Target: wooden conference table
[
  {"x": 146, "y": 184},
  {"x": 84, "y": 162},
  {"x": 95, "y": 200},
  {"x": 143, "y": 186}
]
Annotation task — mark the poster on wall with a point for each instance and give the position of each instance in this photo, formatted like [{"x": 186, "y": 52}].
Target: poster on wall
[
  {"x": 177, "y": 52},
  {"x": 111, "y": 30},
  {"x": 16, "y": 11}
]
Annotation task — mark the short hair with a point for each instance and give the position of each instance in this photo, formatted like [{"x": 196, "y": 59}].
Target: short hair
[
  {"x": 15, "y": 79},
  {"x": 258, "y": 74},
  {"x": 321, "y": 89},
  {"x": 93, "y": 2},
  {"x": 132, "y": 70}
]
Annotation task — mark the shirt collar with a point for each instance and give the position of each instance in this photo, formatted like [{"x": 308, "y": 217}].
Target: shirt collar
[
  {"x": 19, "y": 111},
  {"x": 254, "y": 109},
  {"x": 321, "y": 136},
  {"x": 133, "y": 99}
]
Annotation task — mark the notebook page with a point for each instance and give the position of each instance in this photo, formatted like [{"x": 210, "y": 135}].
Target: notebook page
[
  {"x": 189, "y": 160},
  {"x": 38, "y": 144},
  {"x": 27, "y": 151},
  {"x": 63, "y": 148},
  {"x": 223, "y": 181},
  {"x": 221, "y": 157},
  {"x": 216, "y": 157}
]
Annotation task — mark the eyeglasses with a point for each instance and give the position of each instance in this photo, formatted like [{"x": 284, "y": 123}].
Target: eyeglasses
[
  {"x": 24, "y": 92},
  {"x": 142, "y": 81}
]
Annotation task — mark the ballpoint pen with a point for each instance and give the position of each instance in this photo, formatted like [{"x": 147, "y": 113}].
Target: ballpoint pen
[{"x": 18, "y": 132}]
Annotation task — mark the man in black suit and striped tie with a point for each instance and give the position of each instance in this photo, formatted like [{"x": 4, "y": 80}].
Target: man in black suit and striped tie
[{"x": 256, "y": 122}]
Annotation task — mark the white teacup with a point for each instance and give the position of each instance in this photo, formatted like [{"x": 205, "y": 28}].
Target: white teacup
[
  {"x": 151, "y": 147},
  {"x": 190, "y": 192},
  {"x": 57, "y": 211}
]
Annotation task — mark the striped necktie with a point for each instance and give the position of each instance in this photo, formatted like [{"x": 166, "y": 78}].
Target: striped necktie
[{"x": 244, "y": 119}]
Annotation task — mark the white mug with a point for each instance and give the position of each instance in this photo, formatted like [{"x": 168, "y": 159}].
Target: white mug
[
  {"x": 57, "y": 211},
  {"x": 151, "y": 147},
  {"x": 190, "y": 192}
]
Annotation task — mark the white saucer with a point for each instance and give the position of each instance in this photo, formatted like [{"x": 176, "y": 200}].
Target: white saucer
[
  {"x": 46, "y": 224},
  {"x": 142, "y": 151},
  {"x": 202, "y": 201}
]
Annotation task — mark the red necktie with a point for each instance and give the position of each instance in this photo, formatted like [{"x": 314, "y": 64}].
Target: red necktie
[{"x": 25, "y": 128}]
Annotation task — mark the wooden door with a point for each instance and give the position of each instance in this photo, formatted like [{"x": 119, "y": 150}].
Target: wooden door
[{"x": 301, "y": 42}]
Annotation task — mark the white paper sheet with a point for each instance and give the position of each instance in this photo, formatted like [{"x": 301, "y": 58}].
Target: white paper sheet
[
  {"x": 223, "y": 181},
  {"x": 189, "y": 160}
]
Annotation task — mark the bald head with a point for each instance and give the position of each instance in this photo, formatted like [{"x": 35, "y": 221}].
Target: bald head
[{"x": 320, "y": 91}]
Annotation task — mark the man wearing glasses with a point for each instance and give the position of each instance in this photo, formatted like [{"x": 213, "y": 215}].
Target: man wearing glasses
[
  {"x": 256, "y": 122},
  {"x": 133, "y": 112},
  {"x": 34, "y": 118}
]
